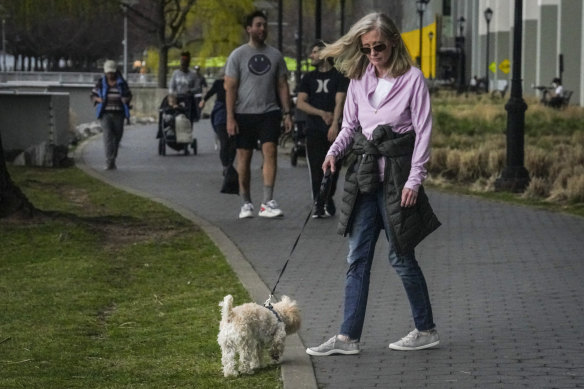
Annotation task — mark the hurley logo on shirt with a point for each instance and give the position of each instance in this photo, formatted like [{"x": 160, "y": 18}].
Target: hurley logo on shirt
[{"x": 322, "y": 86}]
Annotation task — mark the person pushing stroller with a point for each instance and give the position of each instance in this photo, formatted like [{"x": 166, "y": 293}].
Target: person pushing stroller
[{"x": 184, "y": 84}]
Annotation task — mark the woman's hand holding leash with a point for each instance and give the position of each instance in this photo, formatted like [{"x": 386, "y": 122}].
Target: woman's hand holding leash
[{"x": 329, "y": 163}]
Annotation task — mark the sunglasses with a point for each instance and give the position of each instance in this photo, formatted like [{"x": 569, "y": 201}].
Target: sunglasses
[{"x": 377, "y": 48}]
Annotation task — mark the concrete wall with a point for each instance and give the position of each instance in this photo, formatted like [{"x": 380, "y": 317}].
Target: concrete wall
[
  {"x": 30, "y": 118},
  {"x": 145, "y": 102},
  {"x": 570, "y": 24},
  {"x": 529, "y": 60},
  {"x": 548, "y": 45}
]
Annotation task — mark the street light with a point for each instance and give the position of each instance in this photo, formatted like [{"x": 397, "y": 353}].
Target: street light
[
  {"x": 461, "y": 21},
  {"x": 3, "y": 44},
  {"x": 461, "y": 54},
  {"x": 318, "y": 20},
  {"x": 125, "y": 5},
  {"x": 298, "y": 37},
  {"x": 421, "y": 5},
  {"x": 488, "y": 17},
  {"x": 342, "y": 17},
  {"x": 3, "y": 15},
  {"x": 515, "y": 177},
  {"x": 430, "y": 37},
  {"x": 280, "y": 20}
]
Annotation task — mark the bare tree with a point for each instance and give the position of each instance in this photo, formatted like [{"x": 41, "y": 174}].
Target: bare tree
[{"x": 166, "y": 19}]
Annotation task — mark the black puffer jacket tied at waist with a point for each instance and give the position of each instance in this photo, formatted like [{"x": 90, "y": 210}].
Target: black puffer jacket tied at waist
[{"x": 409, "y": 226}]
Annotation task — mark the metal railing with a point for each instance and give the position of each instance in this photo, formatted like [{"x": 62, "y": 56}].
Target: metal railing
[{"x": 70, "y": 78}]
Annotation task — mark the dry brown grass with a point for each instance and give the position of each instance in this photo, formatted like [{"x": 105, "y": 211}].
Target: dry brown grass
[{"x": 554, "y": 155}]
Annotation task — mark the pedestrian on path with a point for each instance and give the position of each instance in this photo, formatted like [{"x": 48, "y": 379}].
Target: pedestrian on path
[
  {"x": 183, "y": 83},
  {"x": 111, "y": 96},
  {"x": 322, "y": 96},
  {"x": 256, "y": 85},
  {"x": 387, "y": 124},
  {"x": 219, "y": 120},
  {"x": 199, "y": 90}
]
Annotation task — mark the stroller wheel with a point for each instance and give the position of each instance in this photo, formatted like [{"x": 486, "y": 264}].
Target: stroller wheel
[
  {"x": 194, "y": 146},
  {"x": 294, "y": 156},
  {"x": 161, "y": 147}
]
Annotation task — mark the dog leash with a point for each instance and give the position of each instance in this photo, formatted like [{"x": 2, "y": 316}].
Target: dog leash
[{"x": 323, "y": 194}]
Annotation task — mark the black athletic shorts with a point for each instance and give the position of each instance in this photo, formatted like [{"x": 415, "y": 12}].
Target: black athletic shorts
[{"x": 264, "y": 127}]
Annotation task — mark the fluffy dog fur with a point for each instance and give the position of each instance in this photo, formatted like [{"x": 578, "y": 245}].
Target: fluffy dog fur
[{"x": 250, "y": 329}]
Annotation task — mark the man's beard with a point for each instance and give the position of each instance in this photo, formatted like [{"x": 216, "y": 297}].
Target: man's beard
[{"x": 259, "y": 37}]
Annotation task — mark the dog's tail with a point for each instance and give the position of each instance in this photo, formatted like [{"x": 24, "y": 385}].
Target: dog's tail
[{"x": 226, "y": 308}]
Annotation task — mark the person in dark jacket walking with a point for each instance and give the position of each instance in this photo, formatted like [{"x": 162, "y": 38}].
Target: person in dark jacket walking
[
  {"x": 112, "y": 97},
  {"x": 387, "y": 123},
  {"x": 322, "y": 96},
  {"x": 219, "y": 120}
]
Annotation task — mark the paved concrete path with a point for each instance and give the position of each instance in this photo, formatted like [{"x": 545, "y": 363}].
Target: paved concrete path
[{"x": 506, "y": 282}]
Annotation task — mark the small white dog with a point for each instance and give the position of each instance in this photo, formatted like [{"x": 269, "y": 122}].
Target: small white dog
[{"x": 251, "y": 329}]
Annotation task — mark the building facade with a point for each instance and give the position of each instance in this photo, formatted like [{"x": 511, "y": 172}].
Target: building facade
[{"x": 454, "y": 40}]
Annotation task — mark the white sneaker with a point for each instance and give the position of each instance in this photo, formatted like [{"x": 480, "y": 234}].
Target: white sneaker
[
  {"x": 334, "y": 346},
  {"x": 246, "y": 211},
  {"x": 417, "y": 340},
  {"x": 271, "y": 209}
]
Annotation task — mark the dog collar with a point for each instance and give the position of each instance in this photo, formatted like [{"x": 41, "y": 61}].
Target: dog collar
[{"x": 271, "y": 308}]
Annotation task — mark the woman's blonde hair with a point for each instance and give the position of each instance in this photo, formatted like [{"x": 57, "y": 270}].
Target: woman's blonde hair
[{"x": 352, "y": 63}]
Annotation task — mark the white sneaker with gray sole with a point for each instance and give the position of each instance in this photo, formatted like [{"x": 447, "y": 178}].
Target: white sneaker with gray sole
[
  {"x": 334, "y": 346},
  {"x": 417, "y": 340}
]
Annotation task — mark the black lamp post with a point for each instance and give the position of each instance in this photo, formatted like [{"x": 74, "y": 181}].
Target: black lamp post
[
  {"x": 488, "y": 17},
  {"x": 342, "y": 17},
  {"x": 514, "y": 176},
  {"x": 318, "y": 19},
  {"x": 461, "y": 54},
  {"x": 421, "y": 5},
  {"x": 3, "y": 44},
  {"x": 430, "y": 37},
  {"x": 280, "y": 22},
  {"x": 299, "y": 44}
]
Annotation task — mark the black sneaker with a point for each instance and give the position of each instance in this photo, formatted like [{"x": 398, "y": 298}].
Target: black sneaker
[
  {"x": 318, "y": 211},
  {"x": 330, "y": 209}
]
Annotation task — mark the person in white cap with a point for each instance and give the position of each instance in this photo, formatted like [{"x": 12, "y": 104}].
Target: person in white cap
[{"x": 111, "y": 96}]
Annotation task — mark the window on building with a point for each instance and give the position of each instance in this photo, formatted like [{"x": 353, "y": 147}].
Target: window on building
[{"x": 447, "y": 7}]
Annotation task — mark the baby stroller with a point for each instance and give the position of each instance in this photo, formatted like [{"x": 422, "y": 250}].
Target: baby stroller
[{"x": 175, "y": 128}]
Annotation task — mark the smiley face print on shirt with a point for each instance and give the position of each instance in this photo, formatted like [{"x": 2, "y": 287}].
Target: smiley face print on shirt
[{"x": 259, "y": 64}]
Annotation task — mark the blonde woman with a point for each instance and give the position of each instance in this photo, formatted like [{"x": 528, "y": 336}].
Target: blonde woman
[{"x": 387, "y": 124}]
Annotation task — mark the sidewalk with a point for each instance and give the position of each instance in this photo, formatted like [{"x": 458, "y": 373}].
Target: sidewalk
[{"x": 506, "y": 281}]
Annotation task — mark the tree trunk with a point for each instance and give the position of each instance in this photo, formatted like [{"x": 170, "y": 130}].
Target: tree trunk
[
  {"x": 162, "y": 67},
  {"x": 12, "y": 200}
]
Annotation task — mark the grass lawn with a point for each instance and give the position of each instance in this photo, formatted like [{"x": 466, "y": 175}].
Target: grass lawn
[{"x": 104, "y": 289}]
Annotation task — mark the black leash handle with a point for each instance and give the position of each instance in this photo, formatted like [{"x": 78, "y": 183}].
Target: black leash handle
[{"x": 325, "y": 188}]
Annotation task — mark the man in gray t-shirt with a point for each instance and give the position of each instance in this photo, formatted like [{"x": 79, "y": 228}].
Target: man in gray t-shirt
[
  {"x": 258, "y": 71},
  {"x": 256, "y": 86}
]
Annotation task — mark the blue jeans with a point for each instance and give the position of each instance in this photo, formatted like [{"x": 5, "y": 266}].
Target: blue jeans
[{"x": 369, "y": 219}]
